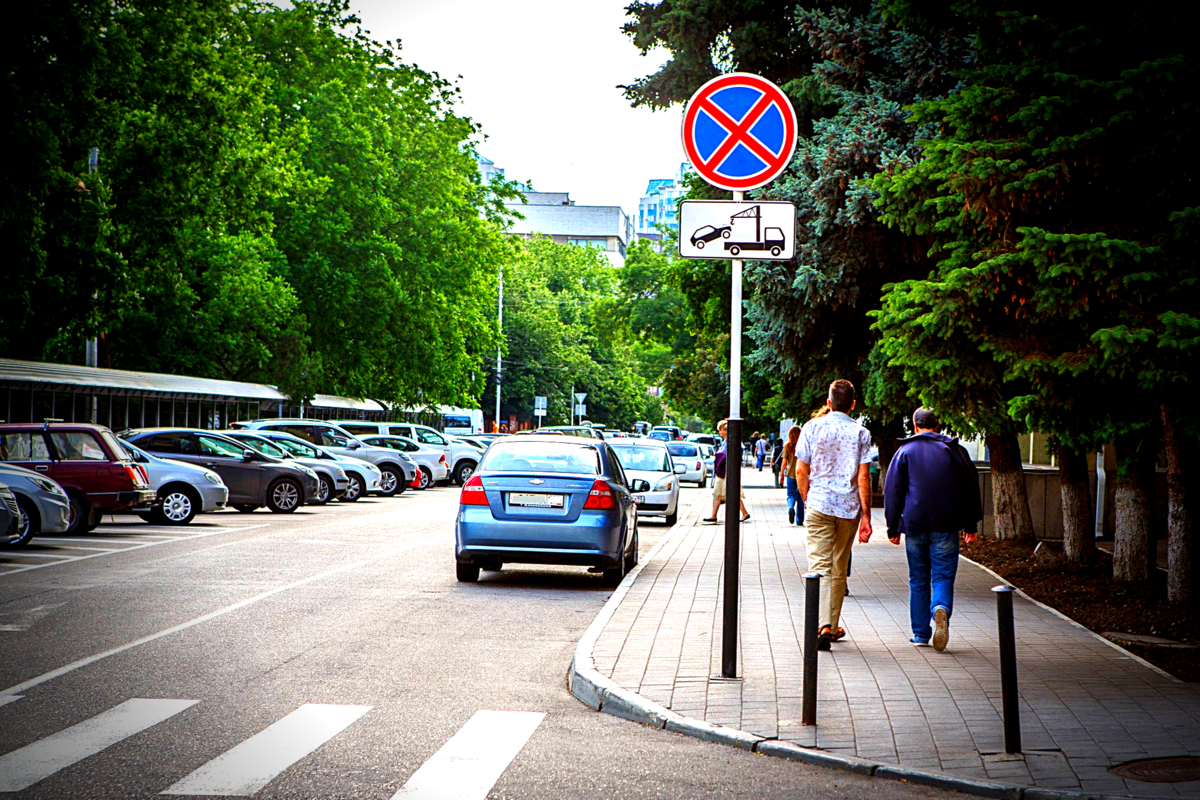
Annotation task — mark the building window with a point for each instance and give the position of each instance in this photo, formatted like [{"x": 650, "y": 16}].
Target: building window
[{"x": 598, "y": 244}]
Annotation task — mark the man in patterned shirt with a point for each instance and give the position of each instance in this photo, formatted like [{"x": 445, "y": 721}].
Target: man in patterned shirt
[{"x": 832, "y": 473}]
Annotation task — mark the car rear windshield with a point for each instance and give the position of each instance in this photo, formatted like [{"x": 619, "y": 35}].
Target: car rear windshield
[
  {"x": 678, "y": 449},
  {"x": 527, "y": 456},
  {"x": 296, "y": 448},
  {"x": 651, "y": 459}
]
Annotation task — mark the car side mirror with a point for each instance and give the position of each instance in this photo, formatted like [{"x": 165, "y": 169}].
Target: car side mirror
[
  {"x": 247, "y": 455},
  {"x": 354, "y": 445},
  {"x": 680, "y": 469},
  {"x": 639, "y": 485}
]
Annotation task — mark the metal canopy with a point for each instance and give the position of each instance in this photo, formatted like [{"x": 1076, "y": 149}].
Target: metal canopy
[{"x": 97, "y": 380}]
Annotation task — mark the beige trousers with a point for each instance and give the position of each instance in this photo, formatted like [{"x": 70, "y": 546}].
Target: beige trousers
[{"x": 828, "y": 543}]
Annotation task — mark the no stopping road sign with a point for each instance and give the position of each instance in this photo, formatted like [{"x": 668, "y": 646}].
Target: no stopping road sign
[{"x": 739, "y": 131}]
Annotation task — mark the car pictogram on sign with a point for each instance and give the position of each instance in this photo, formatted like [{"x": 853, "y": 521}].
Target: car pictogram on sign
[{"x": 708, "y": 233}]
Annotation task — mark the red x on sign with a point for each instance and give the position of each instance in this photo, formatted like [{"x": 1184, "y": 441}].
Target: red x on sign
[{"x": 739, "y": 131}]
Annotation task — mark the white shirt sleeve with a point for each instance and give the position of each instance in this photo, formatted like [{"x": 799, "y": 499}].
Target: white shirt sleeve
[
  {"x": 804, "y": 446},
  {"x": 864, "y": 446}
]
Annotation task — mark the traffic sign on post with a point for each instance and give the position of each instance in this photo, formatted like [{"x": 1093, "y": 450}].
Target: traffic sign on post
[
  {"x": 724, "y": 229},
  {"x": 581, "y": 410},
  {"x": 739, "y": 131},
  {"x": 580, "y": 397}
]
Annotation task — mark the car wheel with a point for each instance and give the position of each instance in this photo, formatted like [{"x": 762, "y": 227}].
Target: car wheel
[
  {"x": 178, "y": 507},
  {"x": 426, "y": 478},
  {"x": 392, "y": 482},
  {"x": 699, "y": 244},
  {"x": 29, "y": 523},
  {"x": 673, "y": 517},
  {"x": 734, "y": 250},
  {"x": 77, "y": 519},
  {"x": 463, "y": 472},
  {"x": 284, "y": 496},
  {"x": 613, "y": 577},
  {"x": 245, "y": 508},
  {"x": 355, "y": 489},
  {"x": 466, "y": 573},
  {"x": 94, "y": 519},
  {"x": 631, "y": 560},
  {"x": 324, "y": 491}
]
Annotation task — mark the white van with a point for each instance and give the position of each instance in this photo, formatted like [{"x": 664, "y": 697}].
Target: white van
[{"x": 461, "y": 421}]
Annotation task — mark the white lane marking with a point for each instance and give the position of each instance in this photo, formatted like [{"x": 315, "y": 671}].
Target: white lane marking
[
  {"x": 22, "y": 768},
  {"x": 317, "y": 541},
  {"x": 257, "y": 761},
  {"x": 7, "y": 554},
  {"x": 83, "y": 547},
  {"x": 83, "y": 662},
  {"x": 9, "y": 698},
  {"x": 473, "y": 760},
  {"x": 73, "y": 559},
  {"x": 97, "y": 540}
]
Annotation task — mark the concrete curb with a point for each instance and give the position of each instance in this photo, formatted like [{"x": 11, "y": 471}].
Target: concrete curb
[{"x": 601, "y": 693}]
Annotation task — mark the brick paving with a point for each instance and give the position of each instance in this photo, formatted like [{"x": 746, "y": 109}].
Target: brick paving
[{"x": 1085, "y": 706}]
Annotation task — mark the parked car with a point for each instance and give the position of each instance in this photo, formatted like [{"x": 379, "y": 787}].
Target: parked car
[
  {"x": 10, "y": 515},
  {"x": 461, "y": 457},
  {"x": 572, "y": 430},
  {"x": 688, "y": 455},
  {"x": 547, "y": 500},
  {"x": 674, "y": 432},
  {"x": 709, "y": 454},
  {"x": 708, "y": 233},
  {"x": 431, "y": 462},
  {"x": 362, "y": 476},
  {"x": 332, "y": 477},
  {"x": 710, "y": 439},
  {"x": 660, "y": 435},
  {"x": 42, "y": 505},
  {"x": 397, "y": 473},
  {"x": 86, "y": 460},
  {"x": 184, "y": 490},
  {"x": 254, "y": 480},
  {"x": 650, "y": 461}
]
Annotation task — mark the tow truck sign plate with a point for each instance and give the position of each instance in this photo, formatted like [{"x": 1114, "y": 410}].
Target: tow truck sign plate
[{"x": 727, "y": 229}]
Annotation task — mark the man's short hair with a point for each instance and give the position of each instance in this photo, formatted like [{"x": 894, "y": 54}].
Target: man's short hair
[
  {"x": 926, "y": 419},
  {"x": 841, "y": 395}
]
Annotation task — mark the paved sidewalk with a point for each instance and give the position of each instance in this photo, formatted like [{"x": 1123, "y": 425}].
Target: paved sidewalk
[{"x": 1086, "y": 706}]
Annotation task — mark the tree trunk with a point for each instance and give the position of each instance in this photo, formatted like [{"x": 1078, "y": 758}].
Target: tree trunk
[
  {"x": 1010, "y": 500},
  {"x": 1181, "y": 574},
  {"x": 1079, "y": 538},
  {"x": 1132, "y": 556}
]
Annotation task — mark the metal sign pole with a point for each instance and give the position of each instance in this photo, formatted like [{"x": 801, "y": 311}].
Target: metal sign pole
[{"x": 733, "y": 477}]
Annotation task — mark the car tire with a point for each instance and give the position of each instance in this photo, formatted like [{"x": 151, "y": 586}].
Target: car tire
[
  {"x": 94, "y": 519},
  {"x": 613, "y": 577},
  {"x": 179, "y": 506},
  {"x": 284, "y": 496},
  {"x": 734, "y": 250},
  {"x": 78, "y": 514},
  {"x": 466, "y": 573},
  {"x": 245, "y": 508},
  {"x": 725, "y": 233},
  {"x": 426, "y": 478},
  {"x": 29, "y": 523},
  {"x": 392, "y": 482},
  {"x": 775, "y": 251},
  {"x": 324, "y": 491},
  {"x": 699, "y": 244},
  {"x": 631, "y": 560},
  {"x": 463, "y": 472},
  {"x": 673, "y": 517},
  {"x": 355, "y": 489}
]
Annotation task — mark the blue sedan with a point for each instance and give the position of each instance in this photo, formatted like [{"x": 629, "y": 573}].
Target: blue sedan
[{"x": 548, "y": 500}]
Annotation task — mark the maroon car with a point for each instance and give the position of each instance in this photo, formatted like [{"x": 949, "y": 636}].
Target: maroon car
[{"x": 84, "y": 459}]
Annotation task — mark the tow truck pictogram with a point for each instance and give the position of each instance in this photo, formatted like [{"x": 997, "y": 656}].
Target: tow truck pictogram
[{"x": 770, "y": 239}]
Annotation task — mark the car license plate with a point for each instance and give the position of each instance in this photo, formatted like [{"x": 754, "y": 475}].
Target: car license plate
[{"x": 536, "y": 500}]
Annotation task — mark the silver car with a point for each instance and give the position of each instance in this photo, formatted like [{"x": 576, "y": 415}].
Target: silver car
[
  {"x": 184, "y": 490},
  {"x": 42, "y": 505},
  {"x": 361, "y": 476},
  {"x": 432, "y": 462},
  {"x": 649, "y": 460},
  {"x": 334, "y": 481},
  {"x": 689, "y": 455}
]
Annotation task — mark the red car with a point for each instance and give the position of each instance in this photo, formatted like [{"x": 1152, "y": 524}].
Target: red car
[{"x": 86, "y": 460}]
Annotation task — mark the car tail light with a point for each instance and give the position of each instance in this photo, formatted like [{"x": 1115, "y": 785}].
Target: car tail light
[
  {"x": 473, "y": 494},
  {"x": 135, "y": 476},
  {"x": 445, "y": 463},
  {"x": 601, "y": 496},
  {"x": 698, "y": 465}
]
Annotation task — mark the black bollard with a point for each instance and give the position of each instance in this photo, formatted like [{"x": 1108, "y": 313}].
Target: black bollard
[
  {"x": 812, "y": 607},
  {"x": 1010, "y": 699},
  {"x": 733, "y": 549}
]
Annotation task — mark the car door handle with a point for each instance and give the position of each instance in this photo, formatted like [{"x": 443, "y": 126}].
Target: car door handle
[{"x": 42, "y": 468}]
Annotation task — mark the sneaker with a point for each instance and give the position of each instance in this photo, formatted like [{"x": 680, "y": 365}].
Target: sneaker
[
  {"x": 791, "y": 516},
  {"x": 941, "y": 628},
  {"x": 915, "y": 642}
]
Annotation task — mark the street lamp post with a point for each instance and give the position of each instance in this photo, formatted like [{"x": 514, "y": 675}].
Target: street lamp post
[{"x": 499, "y": 342}]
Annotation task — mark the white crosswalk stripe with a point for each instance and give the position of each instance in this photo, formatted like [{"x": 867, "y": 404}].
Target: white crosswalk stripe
[
  {"x": 473, "y": 760},
  {"x": 22, "y": 768},
  {"x": 257, "y": 761}
]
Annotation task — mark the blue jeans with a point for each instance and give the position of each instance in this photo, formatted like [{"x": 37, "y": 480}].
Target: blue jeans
[
  {"x": 932, "y": 565},
  {"x": 795, "y": 500}
]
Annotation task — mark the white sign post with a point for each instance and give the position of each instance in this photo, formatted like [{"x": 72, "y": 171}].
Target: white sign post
[{"x": 539, "y": 408}]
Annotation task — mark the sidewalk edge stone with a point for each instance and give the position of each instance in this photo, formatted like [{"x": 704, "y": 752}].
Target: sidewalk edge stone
[
  {"x": 698, "y": 728},
  {"x": 794, "y": 752},
  {"x": 942, "y": 781},
  {"x": 1082, "y": 627}
]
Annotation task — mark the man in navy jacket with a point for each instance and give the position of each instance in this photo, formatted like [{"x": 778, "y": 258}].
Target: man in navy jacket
[{"x": 931, "y": 495}]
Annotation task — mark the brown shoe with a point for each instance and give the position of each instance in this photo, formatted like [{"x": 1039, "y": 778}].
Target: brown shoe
[
  {"x": 824, "y": 637},
  {"x": 839, "y": 634}
]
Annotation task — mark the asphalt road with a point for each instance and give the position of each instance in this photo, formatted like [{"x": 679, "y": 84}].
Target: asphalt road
[{"x": 326, "y": 654}]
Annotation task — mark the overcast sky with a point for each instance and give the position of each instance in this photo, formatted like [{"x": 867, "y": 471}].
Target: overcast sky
[{"x": 540, "y": 76}]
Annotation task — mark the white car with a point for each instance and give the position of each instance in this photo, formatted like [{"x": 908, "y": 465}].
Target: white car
[
  {"x": 431, "y": 462},
  {"x": 688, "y": 454},
  {"x": 650, "y": 461},
  {"x": 709, "y": 454},
  {"x": 461, "y": 457}
]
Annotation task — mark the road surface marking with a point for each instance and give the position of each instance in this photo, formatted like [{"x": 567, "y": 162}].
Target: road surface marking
[
  {"x": 22, "y": 768},
  {"x": 257, "y": 761},
  {"x": 473, "y": 760},
  {"x": 83, "y": 662},
  {"x": 317, "y": 541},
  {"x": 8, "y": 554},
  {"x": 95, "y": 540},
  {"x": 9, "y": 698}
]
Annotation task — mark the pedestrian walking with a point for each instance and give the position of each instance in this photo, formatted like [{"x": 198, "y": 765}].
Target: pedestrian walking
[
  {"x": 832, "y": 455},
  {"x": 719, "y": 464},
  {"x": 777, "y": 462},
  {"x": 794, "y": 501},
  {"x": 931, "y": 496},
  {"x": 760, "y": 450}
]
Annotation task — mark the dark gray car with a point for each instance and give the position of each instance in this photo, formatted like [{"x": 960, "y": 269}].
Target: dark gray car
[{"x": 253, "y": 479}]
